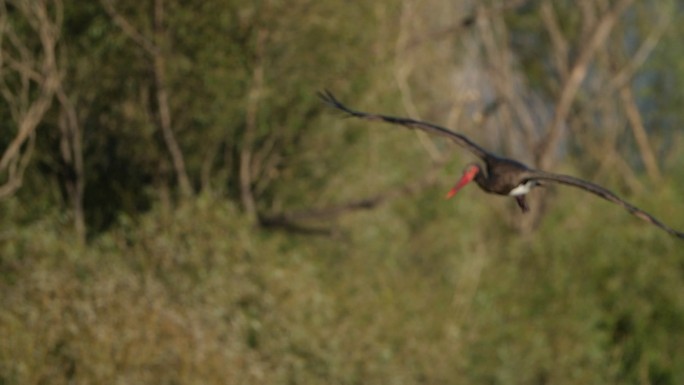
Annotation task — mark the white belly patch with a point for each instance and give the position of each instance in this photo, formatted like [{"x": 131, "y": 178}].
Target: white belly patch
[{"x": 523, "y": 188}]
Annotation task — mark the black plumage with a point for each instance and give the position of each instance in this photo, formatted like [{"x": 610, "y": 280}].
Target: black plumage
[{"x": 500, "y": 175}]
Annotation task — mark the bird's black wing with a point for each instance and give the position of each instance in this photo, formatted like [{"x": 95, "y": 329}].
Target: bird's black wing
[
  {"x": 603, "y": 193},
  {"x": 461, "y": 140}
]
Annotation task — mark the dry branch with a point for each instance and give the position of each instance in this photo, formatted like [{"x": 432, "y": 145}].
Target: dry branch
[
  {"x": 634, "y": 117},
  {"x": 154, "y": 48},
  {"x": 295, "y": 220},
  {"x": 571, "y": 86},
  {"x": 33, "y": 71}
]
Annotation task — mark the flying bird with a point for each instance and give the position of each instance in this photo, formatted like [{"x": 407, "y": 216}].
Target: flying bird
[{"x": 500, "y": 175}]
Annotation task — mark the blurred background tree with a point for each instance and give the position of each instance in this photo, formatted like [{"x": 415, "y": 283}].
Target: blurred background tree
[{"x": 166, "y": 171}]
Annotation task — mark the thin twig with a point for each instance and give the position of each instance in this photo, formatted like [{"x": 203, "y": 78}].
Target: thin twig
[{"x": 148, "y": 46}]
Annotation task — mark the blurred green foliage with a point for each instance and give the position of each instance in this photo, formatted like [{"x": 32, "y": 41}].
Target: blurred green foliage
[
  {"x": 418, "y": 290},
  {"x": 200, "y": 296}
]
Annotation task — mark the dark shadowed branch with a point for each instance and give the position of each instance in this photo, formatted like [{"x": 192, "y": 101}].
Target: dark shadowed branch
[{"x": 299, "y": 221}]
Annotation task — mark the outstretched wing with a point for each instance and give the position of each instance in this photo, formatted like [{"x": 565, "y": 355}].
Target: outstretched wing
[
  {"x": 461, "y": 140},
  {"x": 603, "y": 193}
]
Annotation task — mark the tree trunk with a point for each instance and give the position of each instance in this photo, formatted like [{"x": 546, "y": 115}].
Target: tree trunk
[{"x": 162, "y": 95}]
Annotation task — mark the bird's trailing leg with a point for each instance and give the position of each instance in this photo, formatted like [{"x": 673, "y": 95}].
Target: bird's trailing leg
[{"x": 520, "y": 199}]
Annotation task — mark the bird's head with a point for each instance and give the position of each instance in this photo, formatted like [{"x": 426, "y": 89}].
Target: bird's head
[{"x": 469, "y": 173}]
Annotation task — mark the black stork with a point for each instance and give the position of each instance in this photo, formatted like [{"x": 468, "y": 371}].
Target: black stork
[{"x": 500, "y": 175}]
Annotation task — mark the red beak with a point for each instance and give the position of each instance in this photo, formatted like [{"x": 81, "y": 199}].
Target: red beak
[{"x": 467, "y": 177}]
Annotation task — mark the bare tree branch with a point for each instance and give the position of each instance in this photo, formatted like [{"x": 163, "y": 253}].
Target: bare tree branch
[
  {"x": 17, "y": 167},
  {"x": 163, "y": 102},
  {"x": 643, "y": 52},
  {"x": 632, "y": 111},
  {"x": 572, "y": 84},
  {"x": 506, "y": 84},
  {"x": 403, "y": 65},
  {"x": 128, "y": 28},
  {"x": 154, "y": 50},
  {"x": 246, "y": 155},
  {"x": 33, "y": 71},
  {"x": 558, "y": 40}
]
